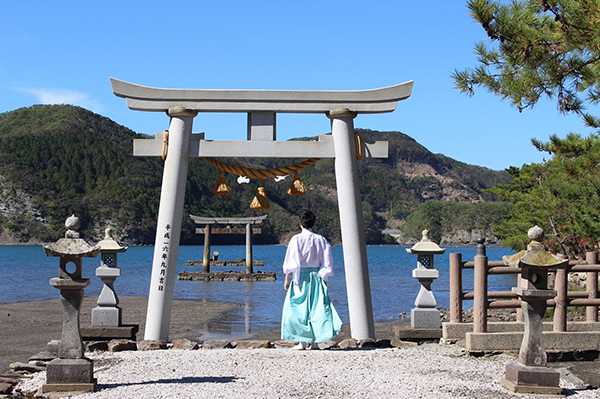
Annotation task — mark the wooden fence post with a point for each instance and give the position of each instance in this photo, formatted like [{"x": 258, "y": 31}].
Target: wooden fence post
[
  {"x": 591, "y": 283},
  {"x": 520, "y": 317},
  {"x": 560, "y": 307},
  {"x": 456, "y": 288},
  {"x": 480, "y": 294}
]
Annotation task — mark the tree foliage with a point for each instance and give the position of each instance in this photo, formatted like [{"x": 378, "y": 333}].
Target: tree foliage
[
  {"x": 560, "y": 195},
  {"x": 538, "y": 48},
  {"x": 444, "y": 218},
  {"x": 549, "y": 48}
]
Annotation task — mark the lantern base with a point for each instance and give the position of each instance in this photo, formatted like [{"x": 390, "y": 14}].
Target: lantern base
[
  {"x": 70, "y": 375},
  {"x": 425, "y": 318},
  {"x": 106, "y": 316},
  {"x": 528, "y": 379},
  {"x": 47, "y": 388},
  {"x": 106, "y": 333}
]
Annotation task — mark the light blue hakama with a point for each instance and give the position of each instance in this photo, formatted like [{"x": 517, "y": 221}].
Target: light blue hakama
[{"x": 308, "y": 314}]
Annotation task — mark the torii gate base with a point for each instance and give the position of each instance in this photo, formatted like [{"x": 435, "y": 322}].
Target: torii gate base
[{"x": 183, "y": 105}]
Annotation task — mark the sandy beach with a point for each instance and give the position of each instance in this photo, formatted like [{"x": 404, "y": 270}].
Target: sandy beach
[
  {"x": 426, "y": 371},
  {"x": 26, "y": 327}
]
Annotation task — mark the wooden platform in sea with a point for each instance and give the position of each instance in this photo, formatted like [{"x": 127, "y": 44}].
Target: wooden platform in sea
[
  {"x": 226, "y": 276},
  {"x": 239, "y": 262}
]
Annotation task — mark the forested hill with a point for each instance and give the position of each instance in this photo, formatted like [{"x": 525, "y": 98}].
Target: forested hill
[{"x": 58, "y": 160}]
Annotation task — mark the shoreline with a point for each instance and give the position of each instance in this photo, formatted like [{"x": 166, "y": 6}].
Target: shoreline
[{"x": 26, "y": 327}]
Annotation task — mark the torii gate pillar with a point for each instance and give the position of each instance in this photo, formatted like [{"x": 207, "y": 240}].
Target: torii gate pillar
[
  {"x": 352, "y": 225},
  {"x": 168, "y": 228}
]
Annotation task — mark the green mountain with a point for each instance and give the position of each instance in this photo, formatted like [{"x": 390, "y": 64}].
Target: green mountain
[{"x": 58, "y": 160}]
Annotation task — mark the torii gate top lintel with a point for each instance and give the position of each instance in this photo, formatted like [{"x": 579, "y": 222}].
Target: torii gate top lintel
[
  {"x": 144, "y": 98},
  {"x": 226, "y": 220}
]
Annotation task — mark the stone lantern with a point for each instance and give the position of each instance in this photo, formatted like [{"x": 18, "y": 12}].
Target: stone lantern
[
  {"x": 70, "y": 371},
  {"x": 425, "y": 315},
  {"x": 107, "y": 313},
  {"x": 530, "y": 374}
]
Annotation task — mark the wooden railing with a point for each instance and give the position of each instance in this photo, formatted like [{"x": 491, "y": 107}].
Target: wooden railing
[{"x": 484, "y": 300}]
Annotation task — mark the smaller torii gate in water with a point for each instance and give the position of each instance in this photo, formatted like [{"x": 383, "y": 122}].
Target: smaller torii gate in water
[
  {"x": 182, "y": 105},
  {"x": 207, "y": 231}
]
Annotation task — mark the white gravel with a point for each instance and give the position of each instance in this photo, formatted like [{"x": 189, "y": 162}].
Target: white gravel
[{"x": 428, "y": 371}]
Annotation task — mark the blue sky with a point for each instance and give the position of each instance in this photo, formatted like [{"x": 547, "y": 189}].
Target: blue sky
[{"x": 65, "y": 52}]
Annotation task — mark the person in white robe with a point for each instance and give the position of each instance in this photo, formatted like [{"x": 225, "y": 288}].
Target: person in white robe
[{"x": 308, "y": 315}]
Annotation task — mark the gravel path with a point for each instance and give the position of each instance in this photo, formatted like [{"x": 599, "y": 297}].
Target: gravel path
[{"x": 427, "y": 371}]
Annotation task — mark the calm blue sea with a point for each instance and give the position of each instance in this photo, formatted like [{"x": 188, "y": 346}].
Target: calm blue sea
[{"x": 26, "y": 273}]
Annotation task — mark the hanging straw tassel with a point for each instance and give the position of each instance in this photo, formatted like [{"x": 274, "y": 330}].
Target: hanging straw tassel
[
  {"x": 359, "y": 145},
  {"x": 165, "y": 145},
  {"x": 297, "y": 187},
  {"x": 221, "y": 187},
  {"x": 260, "y": 201}
]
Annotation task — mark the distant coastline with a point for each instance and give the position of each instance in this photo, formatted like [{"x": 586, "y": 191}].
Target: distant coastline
[{"x": 496, "y": 244}]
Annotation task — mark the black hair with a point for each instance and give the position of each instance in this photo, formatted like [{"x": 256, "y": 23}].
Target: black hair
[{"x": 308, "y": 219}]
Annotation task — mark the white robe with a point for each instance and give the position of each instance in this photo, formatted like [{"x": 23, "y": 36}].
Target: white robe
[{"x": 308, "y": 249}]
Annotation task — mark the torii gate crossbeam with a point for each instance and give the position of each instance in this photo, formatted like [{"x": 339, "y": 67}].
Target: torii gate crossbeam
[{"x": 182, "y": 105}]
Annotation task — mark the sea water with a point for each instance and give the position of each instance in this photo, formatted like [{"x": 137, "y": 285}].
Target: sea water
[{"x": 26, "y": 272}]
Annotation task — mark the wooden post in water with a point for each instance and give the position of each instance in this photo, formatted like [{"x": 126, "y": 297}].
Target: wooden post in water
[
  {"x": 206, "y": 258},
  {"x": 455, "y": 288},
  {"x": 249, "y": 260},
  {"x": 591, "y": 283},
  {"x": 480, "y": 294}
]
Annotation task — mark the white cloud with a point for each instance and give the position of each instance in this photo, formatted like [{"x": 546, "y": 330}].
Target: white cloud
[{"x": 61, "y": 96}]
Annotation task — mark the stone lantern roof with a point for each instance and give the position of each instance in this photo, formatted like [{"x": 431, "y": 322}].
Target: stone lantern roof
[
  {"x": 425, "y": 246},
  {"x": 71, "y": 245},
  {"x": 535, "y": 255},
  {"x": 109, "y": 244}
]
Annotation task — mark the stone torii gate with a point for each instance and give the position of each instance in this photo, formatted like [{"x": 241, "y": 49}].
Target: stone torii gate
[{"x": 182, "y": 105}]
